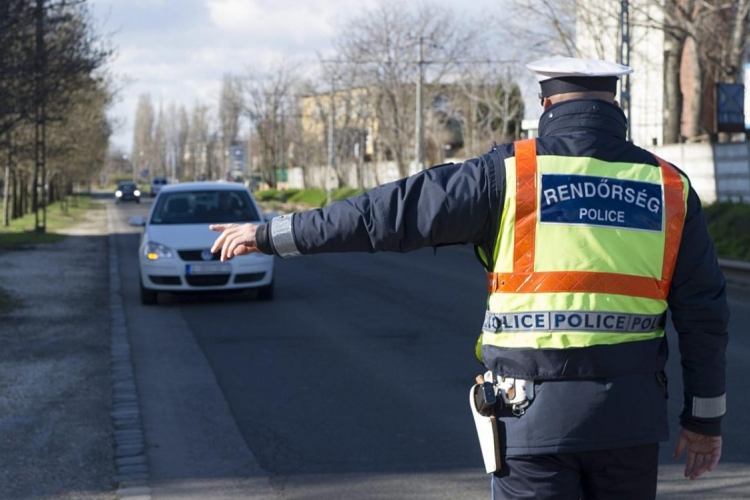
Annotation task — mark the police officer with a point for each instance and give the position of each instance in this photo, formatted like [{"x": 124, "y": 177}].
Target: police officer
[{"x": 587, "y": 240}]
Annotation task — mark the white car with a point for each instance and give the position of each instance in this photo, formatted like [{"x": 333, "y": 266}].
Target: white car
[
  {"x": 175, "y": 251},
  {"x": 157, "y": 183}
]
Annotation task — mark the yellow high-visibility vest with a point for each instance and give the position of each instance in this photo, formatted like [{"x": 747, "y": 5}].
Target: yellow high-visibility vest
[{"x": 582, "y": 266}]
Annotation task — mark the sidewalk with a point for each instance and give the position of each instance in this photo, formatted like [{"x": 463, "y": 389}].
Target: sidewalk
[{"x": 55, "y": 376}]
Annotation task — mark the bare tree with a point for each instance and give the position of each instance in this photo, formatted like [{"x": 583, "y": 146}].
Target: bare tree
[
  {"x": 78, "y": 144},
  {"x": 143, "y": 135},
  {"x": 337, "y": 101},
  {"x": 197, "y": 142},
  {"x": 545, "y": 27},
  {"x": 230, "y": 109},
  {"x": 707, "y": 36},
  {"x": 159, "y": 146},
  {"x": 183, "y": 132},
  {"x": 380, "y": 48},
  {"x": 495, "y": 107},
  {"x": 269, "y": 102},
  {"x": 48, "y": 56}
]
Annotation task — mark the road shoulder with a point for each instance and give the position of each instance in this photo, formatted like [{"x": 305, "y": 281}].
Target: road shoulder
[{"x": 55, "y": 377}]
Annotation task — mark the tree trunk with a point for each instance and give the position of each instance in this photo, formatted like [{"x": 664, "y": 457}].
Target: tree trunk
[
  {"x": 696, "y": 105},
  {"x": 738, "y": 42},
  {"x": 14, "y": 196},
  {"x": 6, "y": 193},
  {"x": 22, "y": 191},
  {"x": 674, "y": 45}
]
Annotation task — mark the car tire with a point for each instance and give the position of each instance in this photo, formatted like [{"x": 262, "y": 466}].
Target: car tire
[
  {"x": 148, "y": 296},
  {"x": 265, "y": 292},
  {"x": 138, "y": 201}
]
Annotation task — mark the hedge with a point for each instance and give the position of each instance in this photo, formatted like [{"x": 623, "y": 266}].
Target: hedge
[{"x": 729, "y": 226}]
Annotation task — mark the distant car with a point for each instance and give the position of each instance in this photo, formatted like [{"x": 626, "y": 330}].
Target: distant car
[
  {"x": 157, "y": 183},
  {"x": 127, "y": 191},
  {"x": 175, "y": 250}
]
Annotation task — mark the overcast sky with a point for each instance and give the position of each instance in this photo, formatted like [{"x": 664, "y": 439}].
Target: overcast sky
[{"x": 178, "y": 50}]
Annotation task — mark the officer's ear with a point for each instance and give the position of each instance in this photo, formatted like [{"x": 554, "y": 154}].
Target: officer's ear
[{"x": 546, "y": 103}]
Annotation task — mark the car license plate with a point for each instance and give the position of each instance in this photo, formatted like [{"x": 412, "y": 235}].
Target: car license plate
[{"x": 213, "y": 268}]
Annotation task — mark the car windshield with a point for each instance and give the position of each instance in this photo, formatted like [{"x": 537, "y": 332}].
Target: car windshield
[
  {"x": 204, "y": 207},
  {"x": 126, "y": 185}
]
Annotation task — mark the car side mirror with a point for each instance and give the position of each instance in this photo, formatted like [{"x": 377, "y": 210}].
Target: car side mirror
[
  {"x": 270, "y": 215},
  {"x": 137, "y": 220}
]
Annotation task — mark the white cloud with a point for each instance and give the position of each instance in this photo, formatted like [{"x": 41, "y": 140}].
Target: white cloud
[
  {"x": 252, "y": 19},
  {"x": 287, "y": 20},
  {"x": 178, "y": 50}
]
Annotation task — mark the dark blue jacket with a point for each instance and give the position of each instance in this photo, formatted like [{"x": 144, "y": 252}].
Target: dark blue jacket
[{"x": 462, "y": 203}]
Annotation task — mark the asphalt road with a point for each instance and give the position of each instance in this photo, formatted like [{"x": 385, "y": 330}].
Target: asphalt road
[{"x": 352, "y": 383}]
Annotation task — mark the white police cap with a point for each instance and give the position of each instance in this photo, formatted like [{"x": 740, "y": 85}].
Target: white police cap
[{"x": 559, "y": 75}]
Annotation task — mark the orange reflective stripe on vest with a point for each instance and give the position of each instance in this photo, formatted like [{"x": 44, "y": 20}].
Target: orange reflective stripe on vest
[{"x": 523, "y": 279}]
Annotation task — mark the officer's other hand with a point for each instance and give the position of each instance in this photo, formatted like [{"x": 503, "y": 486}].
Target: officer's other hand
[
  {"x": 235, "y": 239},
  {"x": 703, "y": 452}
]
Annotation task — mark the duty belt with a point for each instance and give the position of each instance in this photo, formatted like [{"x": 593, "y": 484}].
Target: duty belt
[{"x": 515, "y": 393}]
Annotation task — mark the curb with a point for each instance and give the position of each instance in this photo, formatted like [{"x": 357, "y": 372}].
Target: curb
[
  {"x": 734, "y": 265},
  {"x": 131, "y": 463}
]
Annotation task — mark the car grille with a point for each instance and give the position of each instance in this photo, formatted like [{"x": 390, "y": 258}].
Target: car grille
[
  {"x": 249, "y": 278},
  {"x": 165, "y": 280},
  {"x": 207, "y": 280},
  {"x": 195, "y": 255}
]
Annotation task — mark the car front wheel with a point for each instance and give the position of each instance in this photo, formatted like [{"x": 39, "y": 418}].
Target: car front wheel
[{"x": 148, "y": 297}]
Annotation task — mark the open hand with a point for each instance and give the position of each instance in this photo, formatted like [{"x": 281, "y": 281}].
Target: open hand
[
  {"x": 235, "y": 239},
  {"x": 703, "y": 452}
]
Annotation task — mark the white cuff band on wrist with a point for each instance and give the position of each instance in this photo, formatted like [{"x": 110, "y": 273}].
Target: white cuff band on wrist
[
  {"x": 282, "y": 238},
  {"x": 709, "y": 407}
]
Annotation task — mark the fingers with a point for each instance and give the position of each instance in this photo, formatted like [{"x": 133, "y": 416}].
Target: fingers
[
  {"x": 234, "y": 240},
  {"x": 705, "y": 463},
  {"x": 228, "y": 251},
  {"x": 220, "y": 240},
  {"x": 703, "y": 452},
  {"x": 689, "y": 463},
  {"x": 696, "y": 467}
]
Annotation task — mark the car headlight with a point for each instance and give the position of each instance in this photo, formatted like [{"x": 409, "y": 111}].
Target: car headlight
[
  {"x": 118, "y": 193},
  {"x": 137, "y": 193},
  {"x": 156, "y": 251}
]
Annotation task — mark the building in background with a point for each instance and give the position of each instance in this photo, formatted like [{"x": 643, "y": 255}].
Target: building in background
[{"x": 718, "y": 170}]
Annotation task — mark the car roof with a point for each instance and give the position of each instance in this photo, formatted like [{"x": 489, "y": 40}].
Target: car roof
[{"x": 203, "y": 186}]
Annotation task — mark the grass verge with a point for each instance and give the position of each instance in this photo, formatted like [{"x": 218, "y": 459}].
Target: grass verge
[{"x": 21, "y": 231}]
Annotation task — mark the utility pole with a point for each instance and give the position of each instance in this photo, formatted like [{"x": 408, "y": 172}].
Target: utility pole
[
  {"x": 625, "y": 59},
  {"x": 331, "y": 139},
  {"x": 419, "y": 132}
]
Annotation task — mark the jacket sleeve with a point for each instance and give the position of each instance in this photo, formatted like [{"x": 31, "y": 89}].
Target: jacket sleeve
[
  {"x": 700, "y": 314},
  {"x": 449, "y": 204}
]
